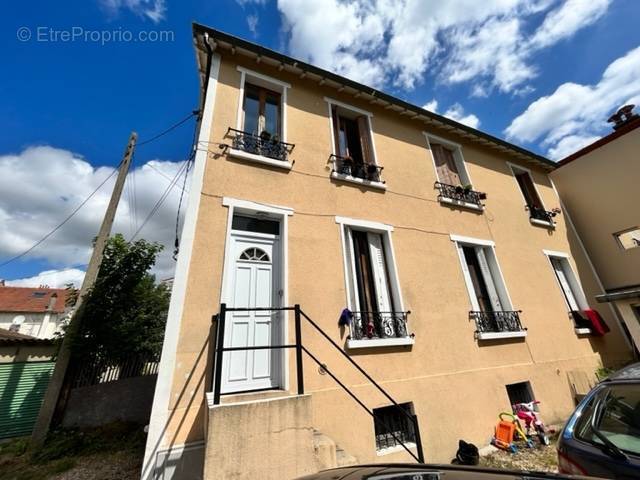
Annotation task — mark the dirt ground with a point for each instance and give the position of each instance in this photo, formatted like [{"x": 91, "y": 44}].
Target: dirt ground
[{"x": 539, "y": 458}]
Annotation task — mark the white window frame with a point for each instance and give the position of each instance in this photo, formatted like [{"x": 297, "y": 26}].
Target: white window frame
[
  {"x": 460, "y": 241},
  {"x": 574, "y": 284},
  {"x": 274, "y": 212},
  {"x": 514, "y": 168},
  {"x": 348, "y": 178},
  {"x": 276, "y": 85},
  {"x": 617, "y": 235},
  {"x": 461, "y": 165},
  {"x": 346, "y": 224}
]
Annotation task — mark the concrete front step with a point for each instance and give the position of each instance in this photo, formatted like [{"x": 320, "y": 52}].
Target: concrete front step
[
  {"x": 253, "y": 396},
  {"x": 330, "y": 455}
]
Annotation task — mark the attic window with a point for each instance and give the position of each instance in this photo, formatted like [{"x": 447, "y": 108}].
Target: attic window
[{"x": 628, "y": 239}]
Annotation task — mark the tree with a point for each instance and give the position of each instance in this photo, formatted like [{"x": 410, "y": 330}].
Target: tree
[{"x": 125, "y": 312}]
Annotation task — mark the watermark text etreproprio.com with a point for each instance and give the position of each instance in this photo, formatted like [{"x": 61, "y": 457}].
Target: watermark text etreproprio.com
[{"x": 45, "y": 34}]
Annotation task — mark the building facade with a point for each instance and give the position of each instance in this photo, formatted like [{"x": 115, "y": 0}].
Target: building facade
[
  {"x": 427, "y": 251},
  {"x": 608, "y": 170},
  {"x": 36, "y": 312}
]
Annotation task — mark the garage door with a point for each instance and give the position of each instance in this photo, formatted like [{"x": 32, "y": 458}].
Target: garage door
[{"x": 22, "y": 388}]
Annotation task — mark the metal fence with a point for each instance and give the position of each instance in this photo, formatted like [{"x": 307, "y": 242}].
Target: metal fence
[{"x": 103, "y": 370}]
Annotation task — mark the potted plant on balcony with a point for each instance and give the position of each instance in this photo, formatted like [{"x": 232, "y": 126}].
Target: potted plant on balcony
[
  {"x": 347, "y": 165},
  {"x": 372, "y": 172}
]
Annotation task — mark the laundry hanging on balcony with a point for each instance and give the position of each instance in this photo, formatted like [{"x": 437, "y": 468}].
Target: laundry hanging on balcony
[
  {"x": 598, "y": 325},
  {"x": 345, "y": 318}
]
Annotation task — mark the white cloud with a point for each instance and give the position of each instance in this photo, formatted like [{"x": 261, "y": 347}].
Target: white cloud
[
  {"x": 457, "y": 113},
  {"x": 432, "y": 105},
  {"x": 576, "y": 113},
  {"x": 569, "y": 144},
  {"x": 51, "y": 278},
  {"x": 567, "y": 19},
  {"x": 252, "y": 23},
  {"x": 397, "y": 42},
  {"x": 154, "y": 10},
  {"x": 33, "y": 204}
]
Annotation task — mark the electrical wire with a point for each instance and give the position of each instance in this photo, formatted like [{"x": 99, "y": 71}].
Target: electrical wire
[
  {"x": 172, "y": 127},
  {"x": 162, "y": 198},
  {"x": 60, "y": 225}
]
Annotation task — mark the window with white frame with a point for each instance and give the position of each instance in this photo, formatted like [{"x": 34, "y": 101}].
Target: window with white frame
[
  {"x": 448, "y": 161},
  {"x": 490, "y": 303},
  {"x": 570, "y": 287},
  {"x": 353, "y": 150},
  {"x": 260, "y": 131},
  {"x": 372, "y": 284},
  {"x": 533, "y": 202},
  {"x": 628, "y": 239}
]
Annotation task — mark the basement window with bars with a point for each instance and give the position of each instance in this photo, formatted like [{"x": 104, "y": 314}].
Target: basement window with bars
[
  {"x": 520, "y": 392},
  {"x": 393, "y": 427}
]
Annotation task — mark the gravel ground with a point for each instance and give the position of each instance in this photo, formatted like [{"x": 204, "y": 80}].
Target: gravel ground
[
  {"x": 117, "y": 466},
  {"x": 539, "y": 458}
]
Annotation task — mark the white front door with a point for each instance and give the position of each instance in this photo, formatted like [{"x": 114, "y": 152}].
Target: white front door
[{"x": 252, "y": 282}]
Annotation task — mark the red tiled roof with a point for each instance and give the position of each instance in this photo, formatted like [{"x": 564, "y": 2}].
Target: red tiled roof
[
  {"x": 8, "y": 338},
  {"x": 9, "y": 335},
  {"x": 31, "y": 300}
]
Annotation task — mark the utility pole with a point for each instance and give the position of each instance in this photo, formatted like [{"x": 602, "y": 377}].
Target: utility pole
[{"x": 57, "y": 382}]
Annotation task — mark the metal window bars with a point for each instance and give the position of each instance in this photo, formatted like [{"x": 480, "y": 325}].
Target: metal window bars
[
  {"x": 350, "y": 168},
  {"x": 372, "y": 325},
  {"x": 265, "y": 144},
  {"x": 459, "y": 193},
  {"x": 497, "y": 322}
]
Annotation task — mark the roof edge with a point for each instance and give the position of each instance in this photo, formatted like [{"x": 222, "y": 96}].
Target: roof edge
[{"x": 259, "y": 50}]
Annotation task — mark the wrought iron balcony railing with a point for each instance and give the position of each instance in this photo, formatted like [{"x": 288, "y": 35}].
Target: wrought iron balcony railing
[
  {"x": 372, "y": 325},
  {"x": 497, "y": 322},
  {"x": 460, "y": 194},
  {"x": 264, "y": 145},
  {"x": 537, "y": 213},
  {"x": 348, "y": 167}
]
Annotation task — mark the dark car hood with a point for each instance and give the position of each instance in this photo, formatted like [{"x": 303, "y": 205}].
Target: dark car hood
[{"x": 431, "y": 472}]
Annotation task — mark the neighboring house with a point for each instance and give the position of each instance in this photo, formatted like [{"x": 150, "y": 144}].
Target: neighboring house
[
  {"x": 38, "y": 312},
  {"x": 312, "y": 189},
  {"x": 599, "y": 186},
  {"x": 26, "y": 366}
]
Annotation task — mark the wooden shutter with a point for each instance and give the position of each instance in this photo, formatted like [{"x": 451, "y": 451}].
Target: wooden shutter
[
  {"x": 445, "y": 164},
  {"x": 528, "y": 189},
  {"x": 365, "y": 139},
  {"x": 558, "y": 268},
  {"x": 488, "y": 279},
  {"x": 379, "y": 268},
  {"x": 336, "y": 131}
]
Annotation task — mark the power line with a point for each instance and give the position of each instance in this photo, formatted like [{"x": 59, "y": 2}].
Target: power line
[
  {"x": 3, "y": 264},
  {"x": 172, "y": 127},
  {"x": 162, "y": 198}
]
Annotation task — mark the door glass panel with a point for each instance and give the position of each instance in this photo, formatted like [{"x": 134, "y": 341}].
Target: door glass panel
[
  {"x": 272, "y": 115},
  {"x": 258, "y": 225}
]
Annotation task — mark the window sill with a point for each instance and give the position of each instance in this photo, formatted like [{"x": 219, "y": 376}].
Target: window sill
[
  {"x": 358, "y": 181},
  {"x": 583, "y": 331},
  {"x": 459, "y": 203},
  {"x": 259, "y": 159},
  {"x": 380, "y": 342},
  {"x": 500, "y": 335},
  {"x": 542, "y": 223},
  {"x": 397, "y": 448}
]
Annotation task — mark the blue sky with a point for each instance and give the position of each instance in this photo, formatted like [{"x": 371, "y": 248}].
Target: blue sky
[{"x": 544, "y": 74}]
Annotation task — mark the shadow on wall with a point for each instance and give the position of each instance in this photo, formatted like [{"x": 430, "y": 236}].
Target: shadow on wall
[
  {"x": 185, "y": 462},
  {"x": 612, "y": 347},
  {"x": 23, "y": 385}
]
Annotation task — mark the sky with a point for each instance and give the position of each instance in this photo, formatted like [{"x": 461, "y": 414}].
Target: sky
[{"x": 78, "y": 76}]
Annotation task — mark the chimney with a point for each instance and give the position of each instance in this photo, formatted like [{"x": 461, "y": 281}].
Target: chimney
[{"x": 623, "y": 116}]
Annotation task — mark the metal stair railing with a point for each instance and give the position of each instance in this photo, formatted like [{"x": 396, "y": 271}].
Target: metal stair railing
[{"x": 299, "y": 347}]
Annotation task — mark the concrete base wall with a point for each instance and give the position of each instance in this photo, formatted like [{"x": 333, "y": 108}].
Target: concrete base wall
[
  {"x": 126, "y": 400},
  {"x": 267, "y": 439}
]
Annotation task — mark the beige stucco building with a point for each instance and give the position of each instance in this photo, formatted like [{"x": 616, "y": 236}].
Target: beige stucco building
[
  {"x": 311, "y": 189},
  {"x": 599, "y": 189}
]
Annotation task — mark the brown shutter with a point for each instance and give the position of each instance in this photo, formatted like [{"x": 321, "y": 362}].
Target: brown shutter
[
  {"x": 445, "y": 164},
  {"x": 365, "y": 139},
  {"x": 336, "y": 130}
]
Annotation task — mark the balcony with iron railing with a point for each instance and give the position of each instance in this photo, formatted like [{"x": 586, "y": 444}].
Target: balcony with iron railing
[
  {"x": 345, "y": 168},
  {"x": 463, "y": 196},
  {"x": 371, "y": 329},
  {"x": 499, "y": 324},
  {"x": 540, "y": 216},
  {"x": 264, "y": 148}
]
